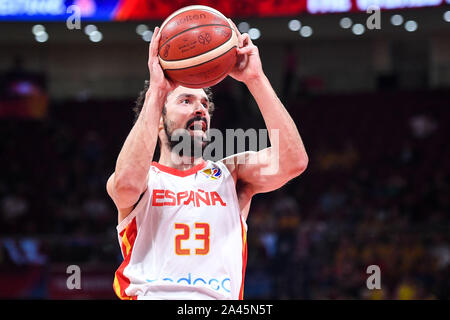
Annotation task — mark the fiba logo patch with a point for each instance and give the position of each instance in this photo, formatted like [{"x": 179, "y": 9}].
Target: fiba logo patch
[{"x": 212, "y": 173}]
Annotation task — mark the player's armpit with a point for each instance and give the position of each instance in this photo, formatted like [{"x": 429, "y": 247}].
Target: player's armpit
[{"x": 262, "y": 171}]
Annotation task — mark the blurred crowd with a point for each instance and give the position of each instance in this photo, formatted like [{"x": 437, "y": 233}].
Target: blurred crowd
[{"x": 375, "y": 193}]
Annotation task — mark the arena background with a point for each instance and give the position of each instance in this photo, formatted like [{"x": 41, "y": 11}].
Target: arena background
[{"x": 372, "y": 107}]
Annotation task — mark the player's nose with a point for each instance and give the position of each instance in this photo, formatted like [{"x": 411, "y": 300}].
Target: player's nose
[{"x": 199, "y": 109}]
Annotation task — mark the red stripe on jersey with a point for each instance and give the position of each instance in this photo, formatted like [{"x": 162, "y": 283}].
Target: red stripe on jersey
[
  {"x": 121, "y": 282},
  {"x": 180, "y": 173},
  {"x": 123, "y": 247},
  {"x": 244, "y": 258}
]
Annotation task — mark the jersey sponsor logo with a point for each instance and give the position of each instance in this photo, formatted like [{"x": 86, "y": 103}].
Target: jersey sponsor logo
[
  {"x": 161, "y": 198},
  {"x": 223, "y": 285},
  {"x": 213, "y": 173}
]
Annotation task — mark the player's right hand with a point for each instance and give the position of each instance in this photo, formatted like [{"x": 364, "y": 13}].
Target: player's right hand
[{"x": 158, "y": 81}]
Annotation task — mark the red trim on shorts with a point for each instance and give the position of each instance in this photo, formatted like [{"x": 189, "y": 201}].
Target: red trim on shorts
[{"x": 180, "y": 173}]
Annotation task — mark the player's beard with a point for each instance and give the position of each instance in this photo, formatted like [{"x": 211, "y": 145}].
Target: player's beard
[{"x": 196, "y": 144}]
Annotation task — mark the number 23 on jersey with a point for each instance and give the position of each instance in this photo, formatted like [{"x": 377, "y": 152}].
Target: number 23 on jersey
[{"x": 201, "y": 232}]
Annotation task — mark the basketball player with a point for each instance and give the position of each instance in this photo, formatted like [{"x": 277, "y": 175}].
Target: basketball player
[{"x": 182, "y": 224}]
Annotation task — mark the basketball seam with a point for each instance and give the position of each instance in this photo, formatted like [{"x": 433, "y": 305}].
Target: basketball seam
[
  {"x": 205, "y": 9},
  {"x": 203, "y": 62},
  {"x": 200, "y": 83},
  {"x": 196, "y": 60},
  {"x": 203, "y": 25}
]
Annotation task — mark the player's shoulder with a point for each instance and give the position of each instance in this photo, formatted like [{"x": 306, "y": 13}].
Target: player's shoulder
[
  {"x": 218, "y": 167},
  {"x": 232, "y": 162},
  {"x": 229, "y": 162}
]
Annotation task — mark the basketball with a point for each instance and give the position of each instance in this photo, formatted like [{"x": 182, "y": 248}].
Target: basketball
[{"x": 197, "y": 47}]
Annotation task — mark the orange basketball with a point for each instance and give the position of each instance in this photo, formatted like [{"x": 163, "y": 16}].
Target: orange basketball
[{"x": 197, "y": 47}]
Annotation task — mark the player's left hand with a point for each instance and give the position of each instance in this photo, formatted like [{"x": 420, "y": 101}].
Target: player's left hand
[{"x": 248, "y": 65}]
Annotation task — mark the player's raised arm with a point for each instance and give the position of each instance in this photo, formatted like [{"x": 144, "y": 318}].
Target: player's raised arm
[
  {"x": 129, "y": 180},
  {"x": 270, "y": 168}
]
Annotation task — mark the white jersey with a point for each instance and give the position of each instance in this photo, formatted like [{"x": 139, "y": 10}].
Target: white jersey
[{"x": 185, "y": 239}]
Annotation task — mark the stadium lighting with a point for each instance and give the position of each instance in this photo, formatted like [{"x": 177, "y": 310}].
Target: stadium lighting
[
  {"x": 95, "y": 36},
  {"x": 358, "y": 29},
  {"x": 397, "y": 20},
  {"x": 243, "y": 27},
  {"x": 294, "y": 25},
  {"x": 140, "y": 29},
  {"x": 447, "y": 16},
  {"x": 254, "y": 33},
  {"x": 147, "y": 35},
  {"x": 42, "y": 36},
  {"x": 306, "y": 31},
  {"x": 37, "y": 29},
  {"x": 411, "y": 26},
  {"x": 89, "y": 29},
  {"x": 345, "y": 23}
]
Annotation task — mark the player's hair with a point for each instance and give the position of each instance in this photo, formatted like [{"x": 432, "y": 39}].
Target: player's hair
[{"x": 141, "y": 98}]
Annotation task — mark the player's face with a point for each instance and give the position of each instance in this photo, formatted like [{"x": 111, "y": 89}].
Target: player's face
[{"x": 187, "y": 109}]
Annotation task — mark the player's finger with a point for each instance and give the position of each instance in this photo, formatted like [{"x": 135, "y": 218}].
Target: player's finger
[
  {"x": 245, "y": 50},
  {"x": 246, "y": 40},
  {"x": 249, "y": 40},
  {"x": 241, "y": 61},
  {"x": 239, "y": 35},
  {"x": 154, "y": 43}
]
